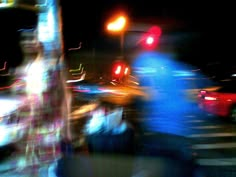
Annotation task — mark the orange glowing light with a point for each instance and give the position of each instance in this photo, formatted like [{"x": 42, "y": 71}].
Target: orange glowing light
[{"x": 118, "y": 24}]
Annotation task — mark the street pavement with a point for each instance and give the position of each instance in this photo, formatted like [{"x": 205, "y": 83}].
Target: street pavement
[
  {"x": 212, "y": 146},
  {"x": 214, "y": 140},
  {"x": 212, "y": 143}
]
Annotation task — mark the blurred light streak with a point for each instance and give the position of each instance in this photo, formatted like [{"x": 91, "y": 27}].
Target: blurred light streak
[
  {"x": 74, "y": 70},
  {"x": 7, "y": 4},
  {"x": 215, "y": 146},
  {"x": 8, "y": 106},
  {"x": 76, "y": 48},
  {"x": 81, "y": 111},
  {"x": 77, "y": 80},
  {"x": 4, "y": 66},
  {"x": 116, "y": 92},
  {"x": 46, "y": 26},
  {"x": 183, "y": 73},
  {"x": 82, "y": 70},
  {"x": 12, "y": 85},
  {"x": 145, "y": 70}
]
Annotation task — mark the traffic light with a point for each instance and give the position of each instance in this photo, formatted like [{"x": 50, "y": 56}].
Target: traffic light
[
  {"x": 119, "y": 70},
  {"x": 150, "y": 39},
  {"x": 126, "y": 71}
]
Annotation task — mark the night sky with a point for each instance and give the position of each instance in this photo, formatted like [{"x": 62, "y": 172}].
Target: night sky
[
  {"x": 11, "y": 21},
  {"x": 84, "y": 22}
]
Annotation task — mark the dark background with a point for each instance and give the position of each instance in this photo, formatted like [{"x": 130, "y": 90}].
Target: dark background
[
  {"x": 12, "y": 20},
  {"x": 212, "y": 24}
]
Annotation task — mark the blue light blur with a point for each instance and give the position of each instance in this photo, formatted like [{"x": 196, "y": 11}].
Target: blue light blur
[{"x": 162, "y": 76}]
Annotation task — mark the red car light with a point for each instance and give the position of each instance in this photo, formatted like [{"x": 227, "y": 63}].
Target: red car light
[{"x": 210, "y": 98}]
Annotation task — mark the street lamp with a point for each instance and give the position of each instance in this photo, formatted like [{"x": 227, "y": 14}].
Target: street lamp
[{"x": 118, "y": 25}]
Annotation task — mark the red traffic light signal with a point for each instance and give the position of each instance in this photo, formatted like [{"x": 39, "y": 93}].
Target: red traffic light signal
[
  {"x": 120, "y": 69},
  {"x": 150, "y": 39}
]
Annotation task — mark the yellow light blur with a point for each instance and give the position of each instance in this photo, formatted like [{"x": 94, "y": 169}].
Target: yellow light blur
[{"x": 117, "y": 25}]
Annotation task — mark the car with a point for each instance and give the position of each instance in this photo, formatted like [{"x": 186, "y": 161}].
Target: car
[{"x": 220, "y": 101}]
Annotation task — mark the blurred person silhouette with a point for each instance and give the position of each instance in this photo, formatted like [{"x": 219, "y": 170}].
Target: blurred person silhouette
[
  {"x": 163, "y": 118},
  {"x": 49, "y": 104}
]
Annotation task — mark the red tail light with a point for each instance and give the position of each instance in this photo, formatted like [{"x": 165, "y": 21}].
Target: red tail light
[
  {"x": 210, "y": 98},
  {"x": 203, "y": 94}
]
